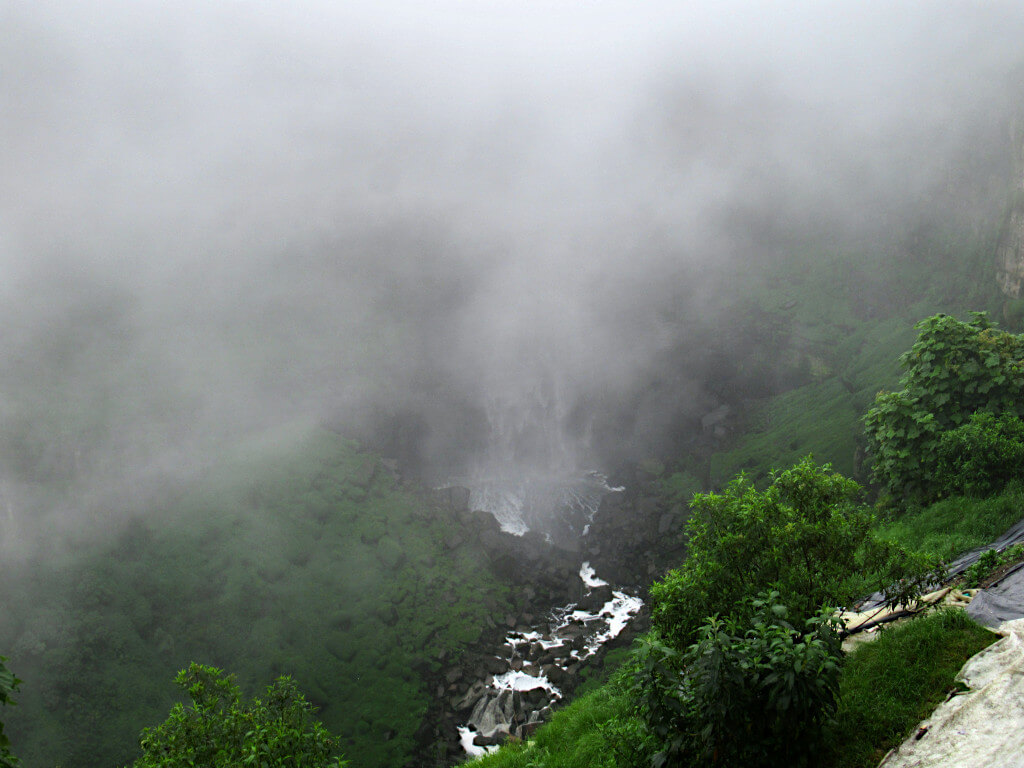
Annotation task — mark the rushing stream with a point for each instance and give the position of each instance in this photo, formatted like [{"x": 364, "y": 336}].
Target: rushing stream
[
  {"x": 527, "y": 479},
  {"x": 537, "y": 659}
]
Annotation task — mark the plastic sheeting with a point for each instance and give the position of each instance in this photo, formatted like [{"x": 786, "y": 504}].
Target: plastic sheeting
[
  {"x": 982, "y": 728},
  {"x": 1002, "y": 601},
  {"x": 1015, "y": 535}
]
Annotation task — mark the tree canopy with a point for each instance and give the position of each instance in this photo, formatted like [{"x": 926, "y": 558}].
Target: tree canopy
[
  {"x": 954, "y": 370},
  {"x": 220, "y": 730},
  {"x": 803, "y": 536}
]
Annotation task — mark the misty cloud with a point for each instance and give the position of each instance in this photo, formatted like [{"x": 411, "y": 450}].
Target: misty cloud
[{"x": 222, "y": 217}]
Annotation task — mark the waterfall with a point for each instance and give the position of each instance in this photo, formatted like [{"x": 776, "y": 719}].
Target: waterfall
[{"x": 532, "y": 475}]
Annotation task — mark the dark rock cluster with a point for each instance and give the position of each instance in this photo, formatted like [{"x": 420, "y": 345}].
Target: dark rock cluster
[{"x": 636, "y": 535}]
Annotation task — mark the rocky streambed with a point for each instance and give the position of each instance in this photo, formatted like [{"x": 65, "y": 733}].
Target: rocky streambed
[
  {"x": 561, "y": 619},
  {"x": 541, "y": 663}
]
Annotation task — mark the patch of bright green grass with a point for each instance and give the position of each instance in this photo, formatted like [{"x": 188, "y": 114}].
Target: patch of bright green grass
[
  {"x": 891, "y": 684},
  {"x": 952, "y": 526}
]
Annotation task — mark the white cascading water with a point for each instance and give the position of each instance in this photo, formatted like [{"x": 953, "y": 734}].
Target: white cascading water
[
  {"x": 529, "y": 476},
  {"x": 530, "y": 479}
]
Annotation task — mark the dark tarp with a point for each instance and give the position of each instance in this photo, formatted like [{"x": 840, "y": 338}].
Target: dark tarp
[
  {"x": 1006, "y": 598},
  {"x": 1015, "y": 535},
  {"x": 1001, "y": 601}
]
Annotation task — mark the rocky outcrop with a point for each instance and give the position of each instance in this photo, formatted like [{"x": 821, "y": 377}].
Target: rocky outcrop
[
  {"x": 1010, "y": 251},
  {"x": 1010, "y": 254},
  {"x": 637, "y": 535}
]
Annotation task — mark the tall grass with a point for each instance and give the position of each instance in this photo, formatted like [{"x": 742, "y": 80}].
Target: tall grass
[
  {"x": 952, "y": 526},
  {"x": 890, "y": 685}
]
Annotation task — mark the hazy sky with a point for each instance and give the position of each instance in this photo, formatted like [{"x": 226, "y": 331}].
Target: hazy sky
[{"x": 236, "y": 214}]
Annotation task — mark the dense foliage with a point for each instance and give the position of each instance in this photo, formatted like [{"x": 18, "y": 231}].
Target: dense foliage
[
  {"x": 803, "y": 536},
  {"x": 8, "y": 685},
  {"x": 954, "y": 369},
  {"x": 980, "y": 457},
  {"x": 752, "y": 693},
  {"x": 220, "y": 730},
  {"x": 302, "y": 556}
]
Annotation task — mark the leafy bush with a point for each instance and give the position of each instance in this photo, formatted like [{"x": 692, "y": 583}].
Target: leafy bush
[
  {"x": 754, "y": 696},
  {"x": 981, "y": 456},
  {"x": 8, "y": 685},
  {"x": 803, "y": 536},
  {"x": 220, "y": 731},
  {"x": 953, "y": 370}
]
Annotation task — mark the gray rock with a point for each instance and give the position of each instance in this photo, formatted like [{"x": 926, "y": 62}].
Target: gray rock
[
  {"x": 493, "y": 665},
  {"x": 493, "y": 715},
  {"x": 471, "y": 697},
  {"x": 495, "y": 739}
]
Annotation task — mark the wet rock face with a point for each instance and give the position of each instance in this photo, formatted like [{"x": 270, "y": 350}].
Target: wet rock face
[{"x": 636, "y": 536}]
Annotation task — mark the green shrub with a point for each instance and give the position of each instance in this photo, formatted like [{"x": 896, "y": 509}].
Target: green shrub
[
  {"x": 980, "y": 457},
  {"x": 803, "y": 536},
  {"x": 955, "y": 369},
  {"x": 750, "y": 694},
  {"x": 218, "y": 730},
  {"x": 990, "y": 561}
]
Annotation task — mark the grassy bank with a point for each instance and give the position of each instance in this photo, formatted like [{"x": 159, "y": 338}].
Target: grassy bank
[
  {"x": 891, "y": 684},
  {"x": 952, "y": 526}
]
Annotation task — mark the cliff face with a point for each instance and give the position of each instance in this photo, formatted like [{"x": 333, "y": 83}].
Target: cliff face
[{"x": 1010, "y": 253}]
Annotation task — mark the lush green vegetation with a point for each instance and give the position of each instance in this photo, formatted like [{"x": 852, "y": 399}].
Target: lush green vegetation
[
  {"x": 300, "y": 556},
  {"x": 830, "y": 327},
  {"x": 980, "y": 457},
  {"x": 991, "y": 562},
  {"x": 803, "y": 536},
  {"x": 954, "y": 525},
  {"x": 888, "y": 686},
  {"x": 751, "y": 691},
  {"x": 219, "y": 730},
  {"x": 955, "y": 370}
]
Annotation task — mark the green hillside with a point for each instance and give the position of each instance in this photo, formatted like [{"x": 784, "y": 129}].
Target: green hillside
[{"x": 310, "y": 561}]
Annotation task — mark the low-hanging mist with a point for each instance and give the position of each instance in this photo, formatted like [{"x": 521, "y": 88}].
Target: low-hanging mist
[{"x": 471, "y": 236}]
